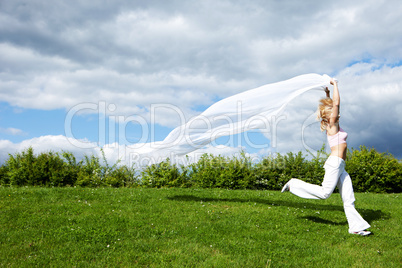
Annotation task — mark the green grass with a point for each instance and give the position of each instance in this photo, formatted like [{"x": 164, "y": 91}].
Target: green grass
[{"x": 109, "y": 227}]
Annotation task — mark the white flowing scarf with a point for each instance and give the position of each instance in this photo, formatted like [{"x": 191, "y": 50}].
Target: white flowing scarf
[{"x": 251, "y": 109}]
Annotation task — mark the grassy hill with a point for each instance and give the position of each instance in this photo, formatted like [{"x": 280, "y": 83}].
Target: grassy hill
[{"x": 176, "y": 227}]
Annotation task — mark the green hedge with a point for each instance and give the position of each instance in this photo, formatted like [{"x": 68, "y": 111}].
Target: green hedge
[
  {"x": 374, "y": 172},
  {"x": 54, "y": 169},
  {"x": 370, "y": 171}
]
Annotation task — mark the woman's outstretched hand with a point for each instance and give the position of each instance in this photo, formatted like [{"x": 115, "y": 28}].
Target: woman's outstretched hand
[{"x": 333, "y": 81}]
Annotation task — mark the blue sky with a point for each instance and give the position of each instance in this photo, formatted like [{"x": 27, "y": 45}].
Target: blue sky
[{"x": 73, "y": 69}]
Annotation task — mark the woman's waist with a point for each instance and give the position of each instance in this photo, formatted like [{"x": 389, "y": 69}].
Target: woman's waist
[
  {"x": 340, "y": 146},
  {"x": 339, "y": 150}
]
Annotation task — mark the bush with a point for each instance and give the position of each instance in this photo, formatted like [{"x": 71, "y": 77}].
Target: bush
[
  {"x": 223, "y": 172},
  {"x": 372, "y": 171},
  {"x": 164, "y": 174},
  {"x": 273, "y": 172},
  {"x": 122, "y": 177},
  {"x": 269, "y": 173},
  {"x": 47, "y": 169},
  {"x": 4, "y": 180},
  {"x": 238, "y": 173},
  {"x": 51, "y": 169},
  {"x": 93, "y": 174}
]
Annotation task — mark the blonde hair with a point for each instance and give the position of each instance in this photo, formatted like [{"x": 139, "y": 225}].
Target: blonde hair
[{"x": 324, "y": 112}]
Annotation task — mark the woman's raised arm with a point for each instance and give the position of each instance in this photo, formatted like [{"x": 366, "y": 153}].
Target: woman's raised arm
[{"x": 336, "y": 101}]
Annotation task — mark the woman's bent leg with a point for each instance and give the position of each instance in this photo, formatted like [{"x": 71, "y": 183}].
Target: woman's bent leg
[
  {"x": 355, "y": 221},
  {"x": 333, "y": 169}
]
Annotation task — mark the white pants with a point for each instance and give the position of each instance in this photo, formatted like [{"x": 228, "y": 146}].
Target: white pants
[{"x": 335, "y": 175}]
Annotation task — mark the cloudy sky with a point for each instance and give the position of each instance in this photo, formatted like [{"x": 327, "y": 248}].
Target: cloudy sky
[{"x": 84, "y": 75}]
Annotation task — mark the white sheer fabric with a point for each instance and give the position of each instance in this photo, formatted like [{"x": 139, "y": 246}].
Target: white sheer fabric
[{"x": 251, "y": 109}]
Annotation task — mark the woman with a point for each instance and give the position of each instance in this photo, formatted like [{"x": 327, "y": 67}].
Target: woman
[{"x": 335, "y": 174}]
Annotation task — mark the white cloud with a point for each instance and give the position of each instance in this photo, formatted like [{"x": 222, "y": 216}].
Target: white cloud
[
  {"x": 43, "y": 144},
  {"x": 12, "y": 131}
]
